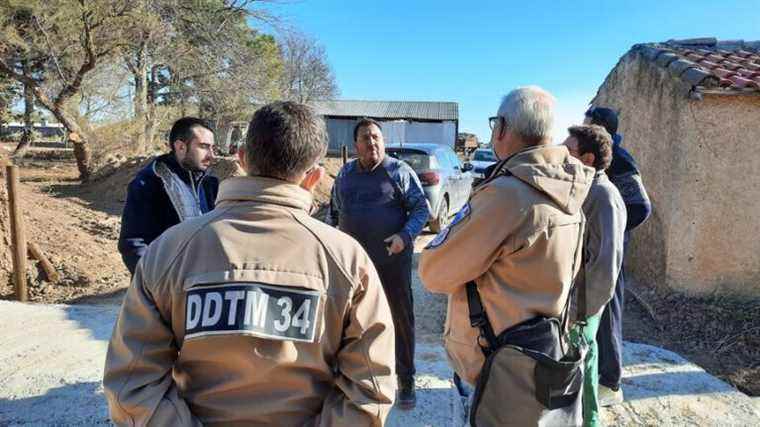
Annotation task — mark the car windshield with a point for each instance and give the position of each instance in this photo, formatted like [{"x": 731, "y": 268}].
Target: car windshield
[
  {"x": 484, "y": 156},
  {"x": 418, "y": 160}
]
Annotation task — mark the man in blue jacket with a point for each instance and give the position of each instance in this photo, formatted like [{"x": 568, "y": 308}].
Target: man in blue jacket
[
  {"x": 379, "y": 201},
  {"x": 170, "y": 189},
  {"x": 624, "y": 174}
]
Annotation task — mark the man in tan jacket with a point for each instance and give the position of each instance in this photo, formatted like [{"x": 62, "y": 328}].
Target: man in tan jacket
[
  {"x": 256, "y": 313},
  {"x": 517, "y": 238}
]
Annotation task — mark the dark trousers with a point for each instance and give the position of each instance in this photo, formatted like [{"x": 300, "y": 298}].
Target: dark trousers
[
  {"x": 610, "y": 338},
  {"x": 397, "y": 282}
]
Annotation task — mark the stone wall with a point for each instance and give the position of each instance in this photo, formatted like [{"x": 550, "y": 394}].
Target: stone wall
[{"x": 697, "y": 164}]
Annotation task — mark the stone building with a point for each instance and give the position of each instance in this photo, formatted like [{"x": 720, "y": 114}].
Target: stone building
[{"x": 690, "y": 114}]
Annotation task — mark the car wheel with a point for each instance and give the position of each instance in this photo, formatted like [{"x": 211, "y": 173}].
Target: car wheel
[{"x": 442, "y": 219}]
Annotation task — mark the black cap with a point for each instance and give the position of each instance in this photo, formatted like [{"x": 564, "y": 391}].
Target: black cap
[{"x": 605, "y": 117}]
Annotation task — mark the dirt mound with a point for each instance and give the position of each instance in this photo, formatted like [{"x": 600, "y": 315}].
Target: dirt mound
[
  {"x": 114, "y": 176},
  {"x": 80, "y": 242}
]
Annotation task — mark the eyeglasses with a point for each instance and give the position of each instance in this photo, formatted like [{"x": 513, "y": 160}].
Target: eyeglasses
[{"x": 492, "y": 121}]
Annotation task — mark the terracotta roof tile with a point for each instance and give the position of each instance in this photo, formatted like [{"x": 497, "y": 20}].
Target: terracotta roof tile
[
  {"x": 709, "y": 65},
  {"x": 695, "y": 56},
  {"x": 742, "y": 82},
  {"x": 729, "y": 65},
  {"x": 748, "y": 73},
  {"x": 733, "y": 65},
  {"x": 723, "y": 73}
]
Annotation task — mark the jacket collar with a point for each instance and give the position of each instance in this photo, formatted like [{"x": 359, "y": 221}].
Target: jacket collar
[
  {"x": 171, "y": 161},
  {"x": 263, "y": 190}
]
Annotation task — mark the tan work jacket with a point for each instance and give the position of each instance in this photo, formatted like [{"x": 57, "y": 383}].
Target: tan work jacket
[
  {"x": 253, "y": 314},
  {"x": 518, "y": 240}
]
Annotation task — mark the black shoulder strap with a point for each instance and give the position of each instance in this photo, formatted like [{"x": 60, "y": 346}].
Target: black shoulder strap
[
  {"x": 499, "y": 169},
  {"x": 479, "y": 319}
]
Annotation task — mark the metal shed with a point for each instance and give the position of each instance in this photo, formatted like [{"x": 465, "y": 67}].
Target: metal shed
[{"x": 402, "y": 121}]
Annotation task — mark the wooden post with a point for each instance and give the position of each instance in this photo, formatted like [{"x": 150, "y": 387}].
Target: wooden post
[
  {"x": 18, "y": 239},
  {"x": 344, "y": 154},
  {"x": 36, "y": 253}
]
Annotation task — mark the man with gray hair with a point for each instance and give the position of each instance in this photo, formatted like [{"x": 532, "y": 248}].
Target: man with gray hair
[
  {"x": 515, "y": 245},
  {"x": 256, "y": 313}
]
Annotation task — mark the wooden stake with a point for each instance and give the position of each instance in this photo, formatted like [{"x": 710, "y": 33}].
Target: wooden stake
[
  {"x": 344, "y": 154},
  {"x": 36, "y": 253},
  {"x": 18, "y": 238}
]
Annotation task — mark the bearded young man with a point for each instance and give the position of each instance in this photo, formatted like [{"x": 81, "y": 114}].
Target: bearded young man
[{"x": 172, "y": 188}]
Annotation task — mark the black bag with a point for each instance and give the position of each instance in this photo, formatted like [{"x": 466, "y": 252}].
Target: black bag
[{"x": 527, "y": 378}]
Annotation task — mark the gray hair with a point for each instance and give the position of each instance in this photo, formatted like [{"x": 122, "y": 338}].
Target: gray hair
[
  {"x": 284, "y": 140},
  {"x": 528, "y": 112}
]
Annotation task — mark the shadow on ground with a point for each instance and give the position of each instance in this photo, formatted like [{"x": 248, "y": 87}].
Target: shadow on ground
[{"x": 80, "y": 403}]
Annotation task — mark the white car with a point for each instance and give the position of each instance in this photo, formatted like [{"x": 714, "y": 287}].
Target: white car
[{"x": 481, "y": 159}]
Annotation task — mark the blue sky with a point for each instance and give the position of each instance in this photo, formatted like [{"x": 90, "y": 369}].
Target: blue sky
[{"x": 474, "y": 52}]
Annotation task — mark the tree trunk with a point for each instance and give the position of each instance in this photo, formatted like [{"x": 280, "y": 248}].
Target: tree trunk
[
  {"x": 140, "y": 100},
  {"x": 82, "y": 152},
  {"x": 28, "y": 134},
  {"x": 83, "y": 155}
]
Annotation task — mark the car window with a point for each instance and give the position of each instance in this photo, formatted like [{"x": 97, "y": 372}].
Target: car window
[
  {"x": 455, "y": 163},
  {"x": 484, "y": 156},
  {"x": 418, "y": 161},
  {"x": 443, "y": 159}
]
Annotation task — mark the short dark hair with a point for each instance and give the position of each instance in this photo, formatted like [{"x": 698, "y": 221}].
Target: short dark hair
[
  {"x": 363, "y": 122},
  {"x": 182, "y": 129},
  {"x": 604, "y": 117},
  {"x": 284, "y": 140},
  {"x": 596, "y": 140}
]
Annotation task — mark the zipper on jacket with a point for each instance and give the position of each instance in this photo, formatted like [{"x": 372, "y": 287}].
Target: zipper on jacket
[{"x": 196, "y": 196}]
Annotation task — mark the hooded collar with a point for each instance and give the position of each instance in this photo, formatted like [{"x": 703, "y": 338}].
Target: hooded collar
[
  {"x": 263, "y": 190},
  {"x": 617, "y": 139},
  {"x": 185, "y": 175},
  {"x": 551, "y": 170}
]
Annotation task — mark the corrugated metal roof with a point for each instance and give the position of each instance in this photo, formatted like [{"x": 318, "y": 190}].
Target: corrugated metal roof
[{"x": 389, "y": 109}]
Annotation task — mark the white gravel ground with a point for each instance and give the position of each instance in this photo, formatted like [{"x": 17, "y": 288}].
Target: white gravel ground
[{"x": 51, "y": 366}]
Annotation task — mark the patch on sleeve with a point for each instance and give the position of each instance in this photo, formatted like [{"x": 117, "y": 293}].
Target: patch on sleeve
[
  {"x": 441, "y": 237},
  {"x": 264, "y": 311}
]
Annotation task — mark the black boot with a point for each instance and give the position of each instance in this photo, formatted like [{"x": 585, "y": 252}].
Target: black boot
[{"x": 406, "y": 397}]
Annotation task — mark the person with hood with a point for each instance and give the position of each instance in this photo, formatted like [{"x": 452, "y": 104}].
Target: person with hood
[
  {"x": 170, "y": 189},
  {"x": 518, "y": 237},
  {"x": 624, "y": 174}
]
